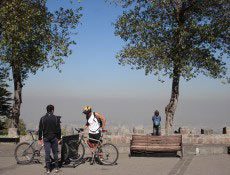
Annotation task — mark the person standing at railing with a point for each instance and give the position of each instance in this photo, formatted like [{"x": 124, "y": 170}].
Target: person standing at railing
[
  {"x": 156, "y": 123},
  {"x": 50, "y": 130}
]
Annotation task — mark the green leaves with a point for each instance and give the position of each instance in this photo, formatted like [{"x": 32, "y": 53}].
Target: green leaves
[
  {"x": 193, "y": 36},
  {"x": 31, "y": 37},
  {"x": 5, "y": 95}
]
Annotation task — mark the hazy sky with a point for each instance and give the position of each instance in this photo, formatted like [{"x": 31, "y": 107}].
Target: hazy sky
[{"x": 92, "y": 76}]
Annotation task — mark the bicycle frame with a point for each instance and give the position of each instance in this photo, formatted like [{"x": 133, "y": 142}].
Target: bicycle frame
[
  {"x": 36, "y": 151},
  {"x": 82, "y": 139}
]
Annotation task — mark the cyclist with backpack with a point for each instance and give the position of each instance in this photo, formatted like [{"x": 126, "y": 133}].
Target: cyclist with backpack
[
  {"x": 156, "y": 123},
  {"x": 94, "y": 121}
]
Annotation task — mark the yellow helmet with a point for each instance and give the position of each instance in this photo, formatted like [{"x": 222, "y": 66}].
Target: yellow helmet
[{"x": 87, "y": 109}]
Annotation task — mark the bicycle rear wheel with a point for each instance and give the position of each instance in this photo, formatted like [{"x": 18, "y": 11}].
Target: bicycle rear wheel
[
  {"x": 107, "y": 154},
  {"x": 24, "y": 153},
  {"x": 74, "y": 151}
]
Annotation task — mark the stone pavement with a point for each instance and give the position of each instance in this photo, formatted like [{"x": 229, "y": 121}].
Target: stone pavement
[{"x": 190, "y": 165}]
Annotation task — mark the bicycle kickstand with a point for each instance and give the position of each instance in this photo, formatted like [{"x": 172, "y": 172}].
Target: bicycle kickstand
[{"x": 92, "y": 159}]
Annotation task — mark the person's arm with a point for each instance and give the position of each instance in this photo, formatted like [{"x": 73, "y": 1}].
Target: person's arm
[
  {"x": 59, "y": 128},
  {"x": 85, "y": 127},
  {"x": 40, "y": 130},
  {"x": 102, "y": 118}
]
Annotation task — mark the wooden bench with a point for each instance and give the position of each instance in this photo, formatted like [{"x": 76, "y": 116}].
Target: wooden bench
[
  {"x": 8, "y": 139},
  {"x": 156, "y": 144}
]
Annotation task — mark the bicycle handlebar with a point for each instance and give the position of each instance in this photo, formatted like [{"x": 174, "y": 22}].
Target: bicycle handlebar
[{"x": 81, "y": 130}]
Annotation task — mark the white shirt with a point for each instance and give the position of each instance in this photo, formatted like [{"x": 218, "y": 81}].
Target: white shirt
[{"x": 93, "y": 124}]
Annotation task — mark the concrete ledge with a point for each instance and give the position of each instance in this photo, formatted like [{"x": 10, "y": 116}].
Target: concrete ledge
[
  {"x": 215, "y": 139},
  {"x": 189, "y": 149},
  {"x": 205, "y": 149}
]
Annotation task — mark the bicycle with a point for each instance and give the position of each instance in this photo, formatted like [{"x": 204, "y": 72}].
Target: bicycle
[
  {"x": 106, "y": 154},
  {"x": 26, "y": 152}
]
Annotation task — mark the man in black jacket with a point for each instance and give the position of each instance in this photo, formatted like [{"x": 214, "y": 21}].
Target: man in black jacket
[{"x": 50, "y": 130}]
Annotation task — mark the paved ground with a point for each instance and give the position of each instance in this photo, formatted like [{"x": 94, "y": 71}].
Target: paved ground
[{"x": 189, "y": 165}]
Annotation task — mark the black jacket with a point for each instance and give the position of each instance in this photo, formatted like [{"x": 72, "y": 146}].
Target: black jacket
[{"x": 49, "y": 127}]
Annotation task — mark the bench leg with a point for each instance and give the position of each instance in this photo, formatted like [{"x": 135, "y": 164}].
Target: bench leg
[
  {"x": 130, "y": 154},
  {"x": 182, "y": 152}
]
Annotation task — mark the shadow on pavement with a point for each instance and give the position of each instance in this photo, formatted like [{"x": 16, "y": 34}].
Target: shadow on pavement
[{"x": 154, "y": 155}]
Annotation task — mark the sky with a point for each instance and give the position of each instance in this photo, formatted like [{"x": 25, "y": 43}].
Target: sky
[{"x": 92, "y": 76}]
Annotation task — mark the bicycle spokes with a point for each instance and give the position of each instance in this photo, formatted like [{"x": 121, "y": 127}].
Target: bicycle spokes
[{"x": 108, "y": 154}]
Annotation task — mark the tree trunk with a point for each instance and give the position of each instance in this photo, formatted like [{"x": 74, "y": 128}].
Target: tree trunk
[
  {"x": 170, "y": 109},
  {"x": 17, "y": 95}
]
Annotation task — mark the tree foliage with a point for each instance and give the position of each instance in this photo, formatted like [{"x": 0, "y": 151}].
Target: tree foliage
[
  {"x": 33, "y": 38},
  {"x": 175, "y": 38},
  {"x": 194, "y": 35},
  {"x": 6, "y": 124},
  {"x": 5, "y": 95}
]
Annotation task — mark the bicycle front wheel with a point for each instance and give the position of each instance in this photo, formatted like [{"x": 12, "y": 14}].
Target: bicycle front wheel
[
  {"x": 107, "y": 154},
  {"x": 74, "y": 151},
  {"x": 24, "y": 153},
  {"x": 78, "y": 152}
]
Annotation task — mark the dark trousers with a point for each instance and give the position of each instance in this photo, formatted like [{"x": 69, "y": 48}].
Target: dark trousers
[
  {"x": 156, "y": 130},
  {"x": 51, "y": 144}
]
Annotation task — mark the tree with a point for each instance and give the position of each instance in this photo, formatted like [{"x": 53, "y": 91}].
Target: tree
[
  {"x": 6, "y": 124},
  {"x": 22, "y": 127},
  {"x": 33, "y": 38},
  {"x": 5, "y": 95},
  {"x": 175, "y": 38}
]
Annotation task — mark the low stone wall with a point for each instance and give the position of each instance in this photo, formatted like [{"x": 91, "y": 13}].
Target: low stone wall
[
  {"x": 194, "y": 143},
  {"x": 118, "y": 140},
  {"x": 206, "y": 142},
  {"x": 216, "y": 139}
]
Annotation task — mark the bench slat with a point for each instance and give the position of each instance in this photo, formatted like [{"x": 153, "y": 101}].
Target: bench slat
[
  {"x": 165, "y": 148},
  {"x": 164, "y": 144},
  {"x": 156, "y": 148},
  {"x": 142, "y": 137},
  {"x": 138, "y": 148},
  {"x": 155, "y": 142},
  {"x": 150, "y": 136},
  {"x": 140, "y": 144}
]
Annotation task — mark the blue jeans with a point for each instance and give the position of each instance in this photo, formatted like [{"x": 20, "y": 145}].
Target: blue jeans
[
  {"x": 51, "y": 144},
  {"x": 156, "y": 130}
]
